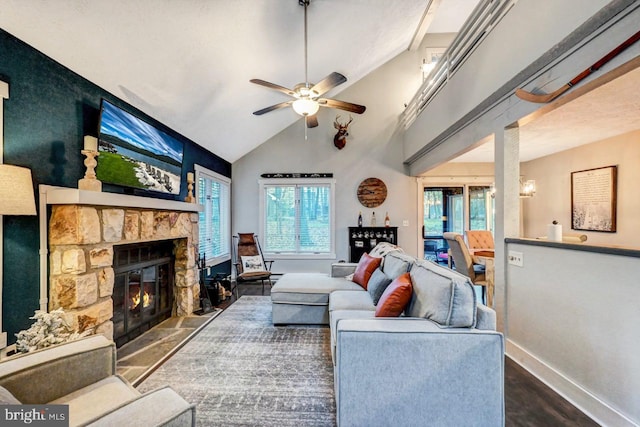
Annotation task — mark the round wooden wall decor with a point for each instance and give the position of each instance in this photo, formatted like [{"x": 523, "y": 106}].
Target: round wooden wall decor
[{"x": 372, "y": 192}]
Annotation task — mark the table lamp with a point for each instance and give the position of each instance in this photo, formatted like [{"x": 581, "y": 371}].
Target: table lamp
[{"x": 16, "y": 191}]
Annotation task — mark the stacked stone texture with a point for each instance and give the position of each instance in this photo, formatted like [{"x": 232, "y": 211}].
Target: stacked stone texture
[{"x": 81, "y": 241}]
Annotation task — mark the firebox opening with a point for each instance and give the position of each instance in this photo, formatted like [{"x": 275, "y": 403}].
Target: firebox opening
[{"x": 143, "y": 288}]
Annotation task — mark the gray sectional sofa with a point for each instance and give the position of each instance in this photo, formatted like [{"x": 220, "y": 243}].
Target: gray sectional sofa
[{"x": 441, "y": 363}]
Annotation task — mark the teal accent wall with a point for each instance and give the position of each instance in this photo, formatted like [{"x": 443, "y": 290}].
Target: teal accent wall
[{"x": 49, "y": 110}]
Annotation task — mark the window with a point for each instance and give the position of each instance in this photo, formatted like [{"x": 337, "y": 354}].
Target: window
[
  {"x": 442, "y": 211},
  {"x": 297, "y": 218},
  {"x": 481, "y": 207},
  {"x": 214, "y": 192}
]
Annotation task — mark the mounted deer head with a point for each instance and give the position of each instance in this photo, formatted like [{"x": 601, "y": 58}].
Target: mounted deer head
[{"x": 340, "y": 140}]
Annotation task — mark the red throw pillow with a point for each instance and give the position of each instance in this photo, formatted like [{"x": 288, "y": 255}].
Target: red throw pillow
[
  {"x": 366, "y": 266},
  {"x": 396, "y": 297}
]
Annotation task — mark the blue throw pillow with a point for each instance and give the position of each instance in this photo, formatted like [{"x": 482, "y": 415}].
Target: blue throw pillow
[{"x": 377, "y": 285}]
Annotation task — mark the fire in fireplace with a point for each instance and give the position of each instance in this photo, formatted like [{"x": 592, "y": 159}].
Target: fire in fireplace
[{"x": 143, "y": 288}]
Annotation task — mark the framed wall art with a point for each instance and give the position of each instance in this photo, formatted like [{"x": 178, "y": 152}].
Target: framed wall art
[{"x": 593, "y": 199}]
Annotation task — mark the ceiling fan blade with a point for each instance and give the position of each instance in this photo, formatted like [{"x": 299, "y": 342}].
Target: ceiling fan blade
[
  {"x": 312, "y": 121},
  {"x": 342, "y": 105},
  {"x": 273, "y": 86},
  {"x": 273, "y": 107},
  {"x": 332, "y": 80}
]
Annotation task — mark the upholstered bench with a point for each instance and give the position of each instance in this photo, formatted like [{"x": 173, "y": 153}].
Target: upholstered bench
[{"x": 303, "y": 298}]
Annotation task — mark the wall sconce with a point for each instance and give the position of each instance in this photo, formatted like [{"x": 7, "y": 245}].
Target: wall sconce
[{"x": 527, "y": 188}]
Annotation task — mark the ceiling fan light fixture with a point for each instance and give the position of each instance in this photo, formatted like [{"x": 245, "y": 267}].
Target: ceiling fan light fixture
[{"x": 305, "y": 106}]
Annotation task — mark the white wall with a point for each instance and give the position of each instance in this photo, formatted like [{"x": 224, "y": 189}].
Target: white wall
[
  {"x": 573, "y": 321},
  {"x": 372, "y": 150},
  {"x": 553, "y": 188}
]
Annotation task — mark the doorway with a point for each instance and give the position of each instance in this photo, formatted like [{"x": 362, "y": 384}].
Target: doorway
[{"x": 454, "y": 208}]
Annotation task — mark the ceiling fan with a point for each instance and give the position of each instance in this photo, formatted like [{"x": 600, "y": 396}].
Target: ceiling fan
[{"x": 307, "y": 97}]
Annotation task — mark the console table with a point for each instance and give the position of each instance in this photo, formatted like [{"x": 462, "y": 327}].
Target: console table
[{"x": 363, "y": 239}]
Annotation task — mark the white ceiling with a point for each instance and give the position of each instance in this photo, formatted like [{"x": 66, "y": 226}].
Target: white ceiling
[
  {"x": 610, "y": 110},
  {"x": 188, "y": 63}
]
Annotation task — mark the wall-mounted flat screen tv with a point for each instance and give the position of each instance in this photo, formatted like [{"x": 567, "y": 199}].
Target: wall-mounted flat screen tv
[{"x": 135, "y": 154}]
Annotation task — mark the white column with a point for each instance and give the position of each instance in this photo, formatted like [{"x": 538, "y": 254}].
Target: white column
[
  {"x": 4, "y": 93},
  {"x": 507, "y": 174}
]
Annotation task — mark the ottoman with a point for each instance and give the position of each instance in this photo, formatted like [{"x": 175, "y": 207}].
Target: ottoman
[{"x": 303, "y": 298}]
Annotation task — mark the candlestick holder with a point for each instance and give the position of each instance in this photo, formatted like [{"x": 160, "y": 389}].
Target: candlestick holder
[
  {"x": 190, "y": 198},
  {"x": 89, "y": 182}
]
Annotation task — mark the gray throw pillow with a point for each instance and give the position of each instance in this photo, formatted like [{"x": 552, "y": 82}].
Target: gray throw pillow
[{"x": 378, "y": 282}]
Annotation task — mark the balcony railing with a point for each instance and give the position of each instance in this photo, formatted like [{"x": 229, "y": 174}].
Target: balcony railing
[{"x": 482, "y": 20}]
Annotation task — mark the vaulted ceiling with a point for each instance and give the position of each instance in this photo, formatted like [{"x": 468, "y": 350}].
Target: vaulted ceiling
[
  {"x": 610, "y": 110},
  {"x": 188, "y": 63}
]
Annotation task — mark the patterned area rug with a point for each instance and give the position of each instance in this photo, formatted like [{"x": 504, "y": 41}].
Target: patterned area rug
[{"x": 240, "y": 370}]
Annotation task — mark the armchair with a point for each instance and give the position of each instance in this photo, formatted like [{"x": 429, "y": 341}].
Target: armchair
[
  {"x": 463, "y": 262},
  {"x": 480, "y": 239},
  {"x": 81, "y": 374},
  {"x": 249, "y": 262}
]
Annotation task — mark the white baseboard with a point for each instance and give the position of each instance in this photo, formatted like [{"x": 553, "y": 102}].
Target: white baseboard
[{"x": 581, "y": 398}]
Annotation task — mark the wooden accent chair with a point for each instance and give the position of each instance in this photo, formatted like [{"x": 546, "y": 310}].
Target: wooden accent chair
[
  {"x": 463, "y": 262},
  {"x": 249, "y": 262}
]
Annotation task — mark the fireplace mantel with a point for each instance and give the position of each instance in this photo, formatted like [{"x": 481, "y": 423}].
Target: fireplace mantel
[{"x": 73, "y": 196}]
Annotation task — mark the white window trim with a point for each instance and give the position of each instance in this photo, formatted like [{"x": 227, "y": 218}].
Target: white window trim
[
  {"x": 201, "y": 170},
  {"x": 300, "y": 181}
]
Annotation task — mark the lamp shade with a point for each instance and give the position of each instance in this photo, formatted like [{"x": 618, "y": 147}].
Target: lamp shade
[
  {"x": 305, "y": 106},
  {"x": 16, "y": 191}
]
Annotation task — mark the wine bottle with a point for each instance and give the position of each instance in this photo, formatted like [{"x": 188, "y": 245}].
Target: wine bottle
[
  {"x": 360, "y": 219},
  {"x": 373, "y": 219},
  {"x": 387, "y": 222}
]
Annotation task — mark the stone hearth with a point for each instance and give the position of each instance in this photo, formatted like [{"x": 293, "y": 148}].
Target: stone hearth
[{"x": 81, "y": 242}]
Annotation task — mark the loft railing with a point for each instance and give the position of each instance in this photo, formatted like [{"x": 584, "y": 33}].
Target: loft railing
[{"x": 479, "y": 24}]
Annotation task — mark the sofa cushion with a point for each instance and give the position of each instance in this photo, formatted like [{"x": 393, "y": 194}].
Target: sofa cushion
[
  {"x": 308, "y": 288},
  {"x": 366, "y": 266},
  {"x": 442, "y": 295},
  {"x": 96, "y": 399},
  {"x": 160, "y": 407},
  {"x": 396, "y": 297},
  {"x": 382, "y": 249},
  {"x": 397, "y": 263},
  {"x": 377, "y": 284},
  {"x": 6, "y": 398},
  {"x": 349, "y": 300}
]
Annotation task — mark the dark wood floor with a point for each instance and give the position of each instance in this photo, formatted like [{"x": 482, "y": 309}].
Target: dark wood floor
[{"x": 528, "y": 402}]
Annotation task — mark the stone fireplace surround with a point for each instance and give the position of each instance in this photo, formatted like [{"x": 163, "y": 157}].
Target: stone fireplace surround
[{"x": 81, "y": 239}]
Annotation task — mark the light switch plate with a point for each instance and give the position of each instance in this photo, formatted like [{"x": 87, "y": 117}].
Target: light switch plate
[
  {"x": 405, "y": 222},
  {"x": 516, "y": 258}
]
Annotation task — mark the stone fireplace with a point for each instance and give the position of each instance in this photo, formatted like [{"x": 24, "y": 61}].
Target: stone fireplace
[{"x": 82, "y": 239}]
